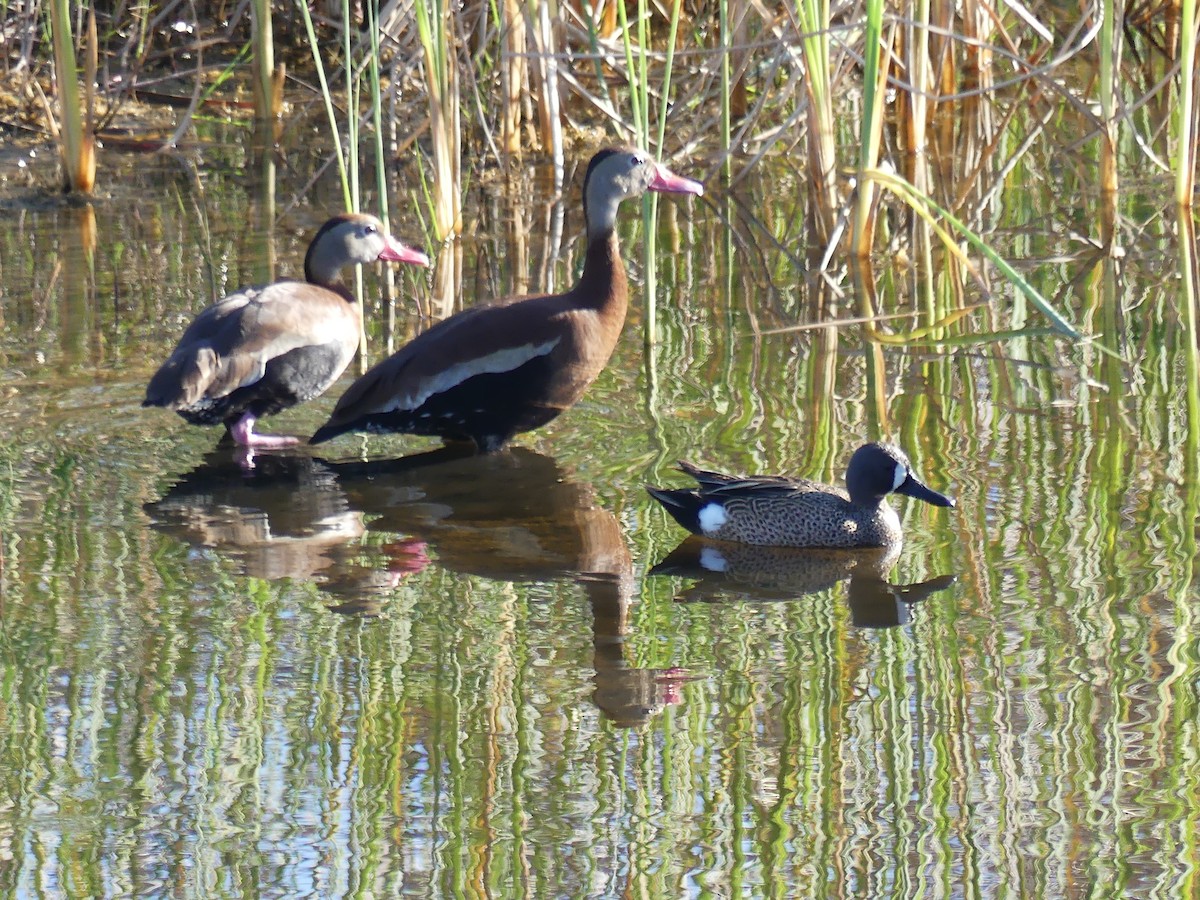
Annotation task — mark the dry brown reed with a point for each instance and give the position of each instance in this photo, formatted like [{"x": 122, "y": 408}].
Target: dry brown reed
[
  {"x": 268, "y": 80},
  {"x": 437, "y": 27},
  {"x": 514, "y": 75}
]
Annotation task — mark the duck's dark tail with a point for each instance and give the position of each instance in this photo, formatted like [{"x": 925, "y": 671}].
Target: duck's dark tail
[{"x": 683, "y": 505}]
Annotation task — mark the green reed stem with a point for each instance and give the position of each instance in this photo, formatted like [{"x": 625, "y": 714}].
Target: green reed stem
[
  {"x": 664, "y": 108},
  {"x": 813, "y": 19},
  {"x": 264, "y": 59},
  {"x": 1186, "y": 235},
  {"x": 650, "y": 204},
  {"x": 70, "y": 110},
  {"x": 347, "y": 157},
  {"x": 637, "y": 84},
  {"x": 1107, "y": 73},
  {"x": 1110, "y": 49},
  {"x": 639, "y": 99},
  {"x": 643, "y": 60},
  {"x": 917, "y": 55},
  {"x": 373, "y": 76},
  {"x": 1186, "y": 136},
  {"x": 871, "y": 127},
  {"x": 598, "y": 67},
  {"x": 918, "y": 64},
  {"x": 351, "y": 112},
  {"x": 1188, "y": 266},
  {"x": 352, "y": 89},
  {"x": 726, "y": 112},
  {"x": 441, "y": 82},
  {"x": 381, "y": 164},
  {"x": 327, "y": 96}
]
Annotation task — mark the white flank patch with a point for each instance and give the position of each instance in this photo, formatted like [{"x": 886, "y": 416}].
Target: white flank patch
[
  {"x": 505, "y": 360},
  {"x": 712, "y": 560},
  {"x": 901, "y": 474},
  {"x": 712, "y": 517}
]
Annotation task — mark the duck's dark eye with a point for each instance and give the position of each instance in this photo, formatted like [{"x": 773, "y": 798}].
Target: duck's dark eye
[
  {"x": 370, "y": 229},
  {"x": 635, "y": 161}
]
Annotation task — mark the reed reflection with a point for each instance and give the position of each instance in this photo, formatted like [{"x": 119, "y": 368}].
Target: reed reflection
[
  {"x": 517, "y": 516},
  {"x": 76, "y": 265},
  {"x": 725, "y": 571}
]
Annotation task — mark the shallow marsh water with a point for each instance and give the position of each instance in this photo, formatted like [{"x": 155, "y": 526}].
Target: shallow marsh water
[{"x": 336, "y": 675}]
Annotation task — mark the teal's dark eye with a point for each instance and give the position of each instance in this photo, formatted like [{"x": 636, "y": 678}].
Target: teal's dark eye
[{"x": 370, "y": 229}]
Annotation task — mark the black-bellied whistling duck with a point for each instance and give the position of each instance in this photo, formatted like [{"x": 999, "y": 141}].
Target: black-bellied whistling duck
[
  {"x": 490, "y": 372},
  {"x": 269, "y": 347}
]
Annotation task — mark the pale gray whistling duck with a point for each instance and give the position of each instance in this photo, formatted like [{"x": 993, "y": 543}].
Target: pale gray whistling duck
[
  {"x": 269, "y": 347},
  {"x": 490, "y": 372},
  {"x": 774, "y": 511}
]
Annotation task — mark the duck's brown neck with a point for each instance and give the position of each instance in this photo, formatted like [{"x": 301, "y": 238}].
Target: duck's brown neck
[
  {"x": 320, "y": 268},
  {"x": 603, "y": 285},
  {"x": 317, "y": 274},
  {"x": 314, "y": 274}
]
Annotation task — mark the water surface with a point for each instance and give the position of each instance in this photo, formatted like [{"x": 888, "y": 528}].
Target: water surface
[{"x": 335, "y": 674}]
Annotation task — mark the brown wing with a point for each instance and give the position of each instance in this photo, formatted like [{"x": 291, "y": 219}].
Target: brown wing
[
  {"x": 484, "y": 339},
  {"x": 230, "y": 344}
]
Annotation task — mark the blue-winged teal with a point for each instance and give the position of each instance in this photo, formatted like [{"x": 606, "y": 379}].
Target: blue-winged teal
[{"x": 771, "y": 510}]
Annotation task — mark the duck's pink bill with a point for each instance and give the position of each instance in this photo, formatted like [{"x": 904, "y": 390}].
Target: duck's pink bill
[
  {"x": 398, "y": 252},
  {"x": 668, "y": 182}
]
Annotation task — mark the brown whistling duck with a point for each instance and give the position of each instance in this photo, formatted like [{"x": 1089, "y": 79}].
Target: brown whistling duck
[
  {"x": 269, "y": 347},
  {"x": 490, "y": 372}
]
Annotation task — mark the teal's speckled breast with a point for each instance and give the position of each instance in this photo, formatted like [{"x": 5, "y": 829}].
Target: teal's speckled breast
[{"x": 805, "y": 515}]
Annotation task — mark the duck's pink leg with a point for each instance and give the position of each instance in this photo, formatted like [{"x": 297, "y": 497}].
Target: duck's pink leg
[{"x": 243, "y": 432}]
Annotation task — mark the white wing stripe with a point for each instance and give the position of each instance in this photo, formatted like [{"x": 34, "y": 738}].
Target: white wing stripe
[{"x": 505, "y": 360}]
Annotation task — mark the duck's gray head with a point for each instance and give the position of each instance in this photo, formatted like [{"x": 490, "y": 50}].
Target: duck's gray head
[
  {"x": 877, "y": 470},
  {"x": 618, "y": 173},
  {"x": 350, "y": 239}
]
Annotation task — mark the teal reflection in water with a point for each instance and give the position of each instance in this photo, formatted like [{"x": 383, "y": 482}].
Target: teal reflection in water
[{"x": 724, "y": 571}]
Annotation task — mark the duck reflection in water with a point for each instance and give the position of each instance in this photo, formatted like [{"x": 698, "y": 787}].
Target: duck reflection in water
[
  {"x": 287, "y": 517},
  {"x": 726, "y": 571},
  {"x": 518, "y": 516}
]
